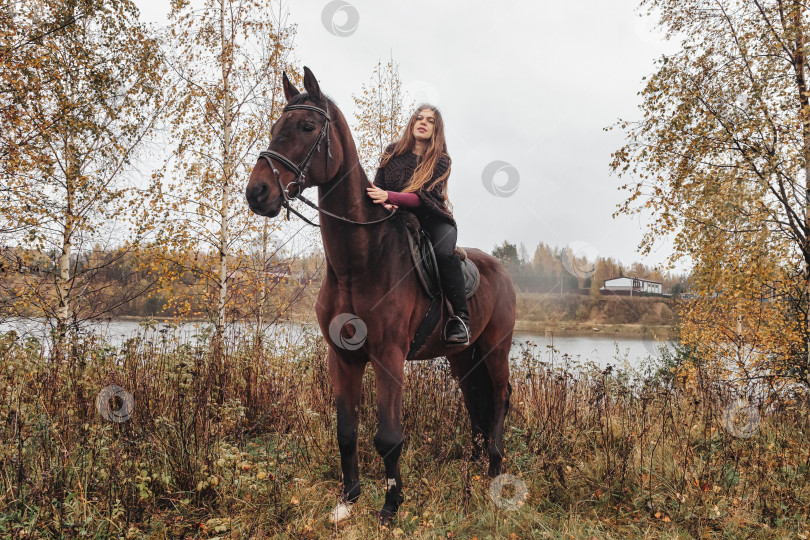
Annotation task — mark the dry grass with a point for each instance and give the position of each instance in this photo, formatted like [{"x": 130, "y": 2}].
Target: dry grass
[{"x": 243, "y": 446}]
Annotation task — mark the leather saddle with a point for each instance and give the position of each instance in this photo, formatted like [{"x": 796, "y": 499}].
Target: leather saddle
[{"x": 424, "y": 261}]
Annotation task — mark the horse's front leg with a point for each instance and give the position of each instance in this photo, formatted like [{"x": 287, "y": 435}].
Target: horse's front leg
[
  {"x": 347, "y": 383},
  {"x": 389, "y": 374}
]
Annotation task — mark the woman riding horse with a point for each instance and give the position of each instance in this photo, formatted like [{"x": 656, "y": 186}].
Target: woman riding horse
[
  {"x": 413, "y": 174},
  {"x": 370, "y": 280}
]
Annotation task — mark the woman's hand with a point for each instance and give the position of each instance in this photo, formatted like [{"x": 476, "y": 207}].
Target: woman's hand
[{"x": 378, "y": 195}]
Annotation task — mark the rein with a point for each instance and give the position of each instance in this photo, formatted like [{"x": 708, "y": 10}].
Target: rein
[{"x": 301, "y": 169}]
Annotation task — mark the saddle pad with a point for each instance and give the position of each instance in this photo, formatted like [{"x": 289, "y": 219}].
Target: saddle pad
[{"x": 472, "y": 278}]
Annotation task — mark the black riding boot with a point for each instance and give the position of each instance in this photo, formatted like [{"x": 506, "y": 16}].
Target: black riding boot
[{"x": 457, "y": 329}]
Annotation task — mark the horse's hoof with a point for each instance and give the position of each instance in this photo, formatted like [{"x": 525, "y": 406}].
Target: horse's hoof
[
  {"x": 386, "y": 517},
  {"x": 341, "y": 512}
]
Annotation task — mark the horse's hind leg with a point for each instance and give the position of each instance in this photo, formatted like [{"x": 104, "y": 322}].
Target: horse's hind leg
[
  {"x": 476, "y": 387},
  {"x": 495, "y": 345},
  {"x": 347, "y": 379}
]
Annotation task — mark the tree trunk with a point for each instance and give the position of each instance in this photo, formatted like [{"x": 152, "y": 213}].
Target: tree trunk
[
  {"x": 262, "y": 286},
  {"x": 226, "y": 177},
  {"x": 63, "y": 276},
  {"x": 801, "y": 82},
  {"x": 62, "y": 281}
]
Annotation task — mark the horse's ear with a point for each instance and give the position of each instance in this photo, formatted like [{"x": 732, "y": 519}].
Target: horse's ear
[
  {"x": 311, "y": 84},
  {"x": 290, "y": 91}
]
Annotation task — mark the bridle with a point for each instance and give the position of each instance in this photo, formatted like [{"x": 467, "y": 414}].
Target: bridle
[{"x": 301, "y": 169}]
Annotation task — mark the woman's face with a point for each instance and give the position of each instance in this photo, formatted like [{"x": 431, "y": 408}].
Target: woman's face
[{"x": 423, "y": 127}]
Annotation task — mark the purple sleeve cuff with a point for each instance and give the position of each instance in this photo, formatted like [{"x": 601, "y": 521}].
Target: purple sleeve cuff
[{"x": 408, "y": 200}]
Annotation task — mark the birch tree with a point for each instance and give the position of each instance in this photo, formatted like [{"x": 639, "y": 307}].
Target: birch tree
[
  {"x": 227, "y": 59},
  {"x": 721, "y": 159},
  {"x": 380, "y": 114},
  {"x": 80, "y": 93}
]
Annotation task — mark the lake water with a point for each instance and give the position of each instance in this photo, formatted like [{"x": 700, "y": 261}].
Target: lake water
[{"x": 601, "y": 350}]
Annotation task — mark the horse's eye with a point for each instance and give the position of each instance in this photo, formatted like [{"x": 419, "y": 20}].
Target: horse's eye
[{"x": 309, "y": 129}]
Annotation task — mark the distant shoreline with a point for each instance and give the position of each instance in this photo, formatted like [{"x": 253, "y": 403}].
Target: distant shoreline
[
  {"x": 573, "y": 328},
  {"x": 560, "y": 328},
  {"x": 556, "y": 328}
]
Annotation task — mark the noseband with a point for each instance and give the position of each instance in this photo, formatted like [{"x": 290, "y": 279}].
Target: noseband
[{"x": 301, "y": 169}]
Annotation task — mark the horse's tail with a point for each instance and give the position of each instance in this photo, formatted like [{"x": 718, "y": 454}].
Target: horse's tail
[
  {"x": 482, "y": 388},
  {"x": 484, "y": 391}
]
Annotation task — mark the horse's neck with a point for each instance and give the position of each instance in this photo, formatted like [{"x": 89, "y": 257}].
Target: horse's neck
[{"x": 356, "y": 252}]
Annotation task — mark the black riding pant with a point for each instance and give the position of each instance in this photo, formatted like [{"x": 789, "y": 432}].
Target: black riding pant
[{"x": 443, "y": 236}]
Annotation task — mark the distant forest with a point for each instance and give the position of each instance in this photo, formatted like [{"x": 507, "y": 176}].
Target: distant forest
[
  {"x": 128, "y": 282},
  {"x": 558, "y": 270}
]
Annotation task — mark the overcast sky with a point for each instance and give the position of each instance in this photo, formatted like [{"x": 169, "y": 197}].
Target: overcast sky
[{"x": 530, "y": 84}]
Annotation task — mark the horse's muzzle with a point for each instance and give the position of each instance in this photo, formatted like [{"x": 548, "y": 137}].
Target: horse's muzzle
[{"x": 258, "y": 198}]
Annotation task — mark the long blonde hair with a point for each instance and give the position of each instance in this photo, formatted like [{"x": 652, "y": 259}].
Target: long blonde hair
[{"x": 436, "y": 148}]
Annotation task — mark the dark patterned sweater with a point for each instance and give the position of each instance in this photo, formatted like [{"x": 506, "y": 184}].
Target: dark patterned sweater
[{"x": 398, "y": 172}]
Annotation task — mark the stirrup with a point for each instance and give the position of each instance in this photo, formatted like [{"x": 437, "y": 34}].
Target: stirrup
[{"x": 466, "y": 331}]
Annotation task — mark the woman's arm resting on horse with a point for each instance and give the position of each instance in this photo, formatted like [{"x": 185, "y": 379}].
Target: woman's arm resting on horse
[{"x": 406, "y": 200}]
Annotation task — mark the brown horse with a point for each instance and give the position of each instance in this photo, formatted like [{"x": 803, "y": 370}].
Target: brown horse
[{"x": 371, "y": 288}]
